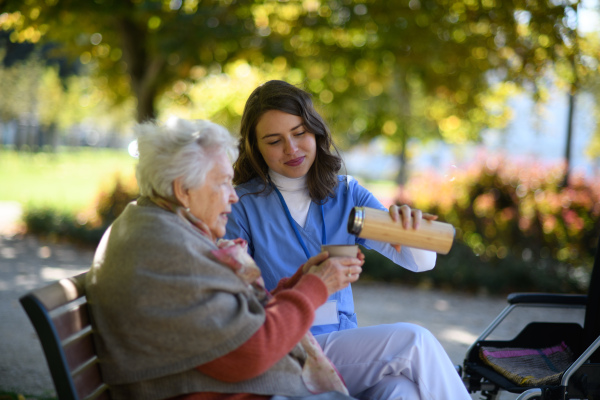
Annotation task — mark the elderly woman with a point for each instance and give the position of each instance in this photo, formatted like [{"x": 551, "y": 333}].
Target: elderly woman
[{"x": 181, "y": 315}]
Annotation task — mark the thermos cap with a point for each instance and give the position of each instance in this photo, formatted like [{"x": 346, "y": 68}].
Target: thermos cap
[
  {"x": 356, "y": 220},
  {"x": 375, "y": 224}
]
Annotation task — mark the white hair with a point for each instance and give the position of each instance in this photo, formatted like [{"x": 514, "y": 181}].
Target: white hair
[{"x": 179, "y": 148}]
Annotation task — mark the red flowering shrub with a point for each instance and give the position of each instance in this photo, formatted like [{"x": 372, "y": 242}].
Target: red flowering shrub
[{"x": 516, "y": 227}]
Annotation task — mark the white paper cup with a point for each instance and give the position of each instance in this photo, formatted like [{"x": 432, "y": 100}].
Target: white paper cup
[{"x": 341, "y": 250}]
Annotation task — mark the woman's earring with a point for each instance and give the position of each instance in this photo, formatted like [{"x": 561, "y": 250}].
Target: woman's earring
[{"x": 187, "y": 209}]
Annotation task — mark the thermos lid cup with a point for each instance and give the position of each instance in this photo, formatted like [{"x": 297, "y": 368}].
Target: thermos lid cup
[{"x": 340, "y": 250}]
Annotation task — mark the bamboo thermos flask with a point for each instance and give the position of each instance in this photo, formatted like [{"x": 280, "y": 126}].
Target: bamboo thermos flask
[{"x": 370, "y": 223}]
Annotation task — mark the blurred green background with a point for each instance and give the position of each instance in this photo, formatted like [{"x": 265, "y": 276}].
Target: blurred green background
[
  {"x": 408, "y": 75},
  {"x": 67, "y": 180}
]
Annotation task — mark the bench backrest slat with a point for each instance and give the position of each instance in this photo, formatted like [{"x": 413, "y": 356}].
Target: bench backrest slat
[{"x": 60, "y": 316}]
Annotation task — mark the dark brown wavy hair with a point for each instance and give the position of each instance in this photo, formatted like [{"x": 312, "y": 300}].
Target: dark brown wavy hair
[{"x": 279, "y": 95}]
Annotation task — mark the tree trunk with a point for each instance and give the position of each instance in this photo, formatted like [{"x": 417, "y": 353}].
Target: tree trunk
[
  {"x": 572, "y": 92},
  {"x": 571, "y": 111},
  {"x": 402, "y": 96},
  {"x": 145, "y": 105},
  {"x": 143, "y": 69},
  {"x": 402, "y": 176}
]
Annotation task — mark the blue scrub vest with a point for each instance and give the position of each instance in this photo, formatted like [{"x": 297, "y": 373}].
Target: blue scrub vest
[{"x": 260, "y": 219}]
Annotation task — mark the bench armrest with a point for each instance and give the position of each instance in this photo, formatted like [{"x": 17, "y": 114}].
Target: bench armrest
[{"x": 547, "y": 298}]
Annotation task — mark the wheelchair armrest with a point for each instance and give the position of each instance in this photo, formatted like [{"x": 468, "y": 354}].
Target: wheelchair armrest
[{"x": 547, "y": 298}]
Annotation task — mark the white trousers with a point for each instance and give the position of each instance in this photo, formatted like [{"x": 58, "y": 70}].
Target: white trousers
[{"x": 393, "y": 362}]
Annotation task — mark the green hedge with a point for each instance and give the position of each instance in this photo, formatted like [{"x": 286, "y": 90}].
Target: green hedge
[{"x": 87, "y": 227}]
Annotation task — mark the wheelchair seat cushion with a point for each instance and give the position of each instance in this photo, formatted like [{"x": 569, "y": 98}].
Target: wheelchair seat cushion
[{"x": 528, "y": 366}]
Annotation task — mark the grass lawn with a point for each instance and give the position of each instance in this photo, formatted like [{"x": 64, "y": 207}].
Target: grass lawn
[{"x": 67, "y": 180}]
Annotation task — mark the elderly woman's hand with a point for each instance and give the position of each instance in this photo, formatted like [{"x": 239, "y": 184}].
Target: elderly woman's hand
[
  {"x": 336, "y": 272},
  {"x": 408, "y": 216}
]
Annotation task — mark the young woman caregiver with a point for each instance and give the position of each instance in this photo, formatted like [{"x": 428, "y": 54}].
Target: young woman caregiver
[{"x": 291, "y": 201}]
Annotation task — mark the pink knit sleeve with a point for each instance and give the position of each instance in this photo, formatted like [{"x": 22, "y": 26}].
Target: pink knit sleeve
[
  {"x": 289, "y": 315},
  {"x": 287, "y": 283}
]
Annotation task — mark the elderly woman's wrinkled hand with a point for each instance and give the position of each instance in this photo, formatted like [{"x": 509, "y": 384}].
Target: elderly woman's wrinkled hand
[{"x": 336, "y": 272}]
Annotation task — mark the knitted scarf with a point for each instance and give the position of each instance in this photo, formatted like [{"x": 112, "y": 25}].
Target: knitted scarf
[{"x": 318, "y": 372}]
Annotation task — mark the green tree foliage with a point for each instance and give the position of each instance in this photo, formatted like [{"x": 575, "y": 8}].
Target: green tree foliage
[
  {"x": 19, "y": 84},
  {"x": 137, "y": 47},
  {"x": 591, "y": 56},
  {"x": 39, "y": 98},
  {"x": 425, "y": 69},
  {"x": 426, "y": 66}
]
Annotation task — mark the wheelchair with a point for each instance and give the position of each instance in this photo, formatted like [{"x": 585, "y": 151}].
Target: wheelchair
[{"x": 546, "y": 360}]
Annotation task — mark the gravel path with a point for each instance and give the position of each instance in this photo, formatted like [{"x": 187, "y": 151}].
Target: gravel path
[{"x": 27, "y": 262}]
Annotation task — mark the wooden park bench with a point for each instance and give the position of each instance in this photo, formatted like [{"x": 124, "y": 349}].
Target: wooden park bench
[{"x": 60, "y": 316}]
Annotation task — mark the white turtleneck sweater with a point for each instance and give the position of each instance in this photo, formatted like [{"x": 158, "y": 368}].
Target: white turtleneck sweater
[
  {"x": 295, "y": 193},
  {"x": 296, "y": 196}
]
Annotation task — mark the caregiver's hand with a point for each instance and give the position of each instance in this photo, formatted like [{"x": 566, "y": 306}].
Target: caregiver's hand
[{"x": 408, "y": 217}]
